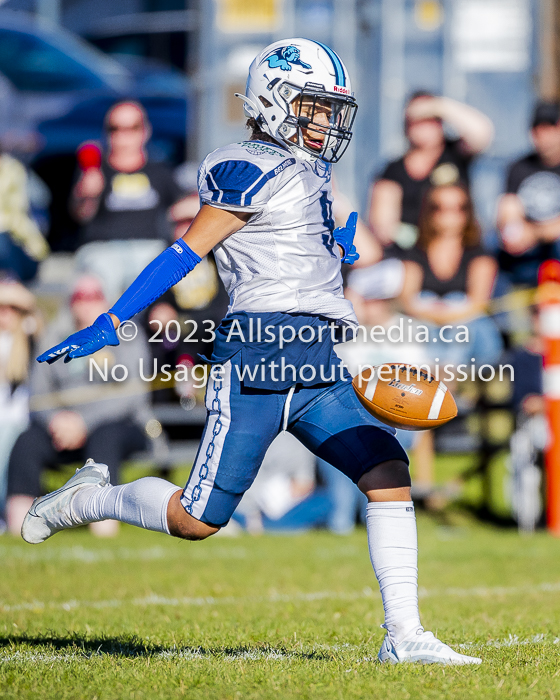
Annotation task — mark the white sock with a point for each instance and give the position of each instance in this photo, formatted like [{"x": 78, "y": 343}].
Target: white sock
[
  {"x": 142, "y": 503},
  {"x": 393, "y": 549}
]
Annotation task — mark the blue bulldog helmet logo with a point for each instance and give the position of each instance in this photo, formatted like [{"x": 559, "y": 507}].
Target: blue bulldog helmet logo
[{"x": 285, "y": 58}]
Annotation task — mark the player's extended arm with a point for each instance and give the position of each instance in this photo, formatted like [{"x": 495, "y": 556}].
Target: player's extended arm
[{"x": 210, "y": 226}]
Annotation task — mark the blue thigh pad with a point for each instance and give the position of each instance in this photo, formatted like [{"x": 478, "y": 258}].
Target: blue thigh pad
[{"x": 334, "y": 425}]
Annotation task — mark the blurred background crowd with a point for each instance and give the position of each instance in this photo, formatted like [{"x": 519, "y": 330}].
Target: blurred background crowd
[{"x": 106, "y": 110}]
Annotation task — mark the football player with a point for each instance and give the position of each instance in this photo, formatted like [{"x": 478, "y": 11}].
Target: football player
[{"x": 267, "y": 215}]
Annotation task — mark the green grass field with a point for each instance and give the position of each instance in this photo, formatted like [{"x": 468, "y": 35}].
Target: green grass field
[{"x": 146, "y": 616}]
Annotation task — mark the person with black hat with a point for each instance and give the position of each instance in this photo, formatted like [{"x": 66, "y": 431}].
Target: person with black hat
[{"x": 529, "y": 211}]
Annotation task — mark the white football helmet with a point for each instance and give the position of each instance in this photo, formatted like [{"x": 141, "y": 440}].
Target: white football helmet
[{"x": 298, "y": 91}]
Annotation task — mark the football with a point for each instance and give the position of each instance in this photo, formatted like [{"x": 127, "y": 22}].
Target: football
[{"x": 404, "y": 396}]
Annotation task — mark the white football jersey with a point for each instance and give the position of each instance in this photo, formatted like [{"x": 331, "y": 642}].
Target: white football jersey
[{"x": 285, "y": 258}]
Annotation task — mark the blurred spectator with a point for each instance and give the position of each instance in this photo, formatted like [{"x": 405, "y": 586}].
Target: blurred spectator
[
  {"x": 76, "y": 413},
  {"x": 531, "y": 430},
  {"x": 122, "y": 201},
  {"x": 22, "y": 245},
  {"x": 431, "y": 159},
  {"x": 529, "y": 212},
  {"x": 449, "y": 278},
  {"x": 18, "y": 327}
]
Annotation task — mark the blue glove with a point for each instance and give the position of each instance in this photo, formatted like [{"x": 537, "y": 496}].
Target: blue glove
[
  {"x": 162, "y": 273},
  {"x": 344, "y": 236},
  {"x": 85, "y": 342}
]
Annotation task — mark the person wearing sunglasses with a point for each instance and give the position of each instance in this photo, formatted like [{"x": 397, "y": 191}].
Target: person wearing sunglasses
[
  {"x": 447, "y": 283},
  {"x": 122, "y": 198},
  {"x": 449, "y": 278}
]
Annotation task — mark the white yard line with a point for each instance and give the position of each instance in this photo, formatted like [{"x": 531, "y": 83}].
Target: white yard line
[
  {"x": 194, "y": 654},
  {"x": 513, "y": 640},
  {"x": 85, "y": 555},
  {"x": 185, "y": 601},
  {"x": 155, "y": 600}
]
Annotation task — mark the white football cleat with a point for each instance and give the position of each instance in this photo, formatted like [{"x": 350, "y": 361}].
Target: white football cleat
[
  {"x": 53, "y": 512},
  {"x": 422, "y": 647}
]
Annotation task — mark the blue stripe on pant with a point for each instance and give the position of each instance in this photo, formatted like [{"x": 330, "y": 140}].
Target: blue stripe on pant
[{"x": 242, "y": 423}]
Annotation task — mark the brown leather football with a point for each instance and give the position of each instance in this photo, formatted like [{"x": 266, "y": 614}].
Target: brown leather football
[{"x": 404, "y": 396}]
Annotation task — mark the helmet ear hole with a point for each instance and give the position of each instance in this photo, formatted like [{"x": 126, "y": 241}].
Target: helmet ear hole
[{"x": 264, "y": 101}]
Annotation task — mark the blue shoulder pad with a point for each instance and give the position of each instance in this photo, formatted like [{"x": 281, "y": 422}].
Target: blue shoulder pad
[{"x": 236, "y": 182}]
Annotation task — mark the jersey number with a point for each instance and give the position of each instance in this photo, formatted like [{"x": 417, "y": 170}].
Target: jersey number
[{"x": 328, "y": 222}]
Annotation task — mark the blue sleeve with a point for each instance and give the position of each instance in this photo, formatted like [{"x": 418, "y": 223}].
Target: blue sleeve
[{"x": 160, "y": 275}]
